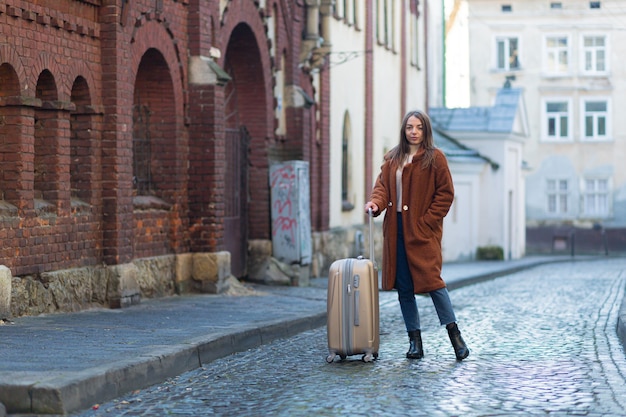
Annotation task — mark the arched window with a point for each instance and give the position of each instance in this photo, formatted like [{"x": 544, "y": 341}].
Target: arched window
[
  {"x": 46, "y": 145},
  {"x": 347, "y": 197},
  {"x": 81, "y": 145},
  {"x": 9, "y": 87}
]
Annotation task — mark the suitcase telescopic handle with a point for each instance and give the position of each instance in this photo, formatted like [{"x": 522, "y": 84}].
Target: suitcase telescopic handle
[{"x": 370, "y": 215}]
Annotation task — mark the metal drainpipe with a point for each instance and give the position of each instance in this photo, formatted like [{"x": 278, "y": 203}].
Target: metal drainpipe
[{"x": 426, "y": 72}]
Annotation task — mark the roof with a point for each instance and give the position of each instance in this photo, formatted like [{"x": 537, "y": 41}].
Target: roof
[
  {"x": 499, "y": 118},
  {"x": 456, "y": 151}
]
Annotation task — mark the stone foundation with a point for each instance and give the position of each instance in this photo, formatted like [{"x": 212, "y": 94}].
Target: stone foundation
[
  {"x": 59, "y": 291},
  {"x": 265, "y": 269},
  {"x": 342, "y": 243},
  {"x": 115, "y": 286},
  {"x": 210, "y": 271},
  {"x": 120, "y": 286}
]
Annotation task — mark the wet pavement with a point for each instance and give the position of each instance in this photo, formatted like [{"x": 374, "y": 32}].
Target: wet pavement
[{"x": 543, "y": 342}]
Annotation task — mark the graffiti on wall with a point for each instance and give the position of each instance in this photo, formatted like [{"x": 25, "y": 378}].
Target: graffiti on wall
[{"x": 291, "y": 230}]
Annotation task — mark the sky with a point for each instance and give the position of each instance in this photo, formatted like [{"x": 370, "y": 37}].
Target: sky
[{"x": 457, "y": 55}]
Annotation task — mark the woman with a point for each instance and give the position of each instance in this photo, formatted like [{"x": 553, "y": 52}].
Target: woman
[{"x": 415, "y": 187}]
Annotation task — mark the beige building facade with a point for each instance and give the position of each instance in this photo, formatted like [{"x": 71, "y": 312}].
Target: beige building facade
[{"x": 566, "y": 58}]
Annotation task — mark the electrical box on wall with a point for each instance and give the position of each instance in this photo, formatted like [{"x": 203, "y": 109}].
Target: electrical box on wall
[{"x": 291, "y": 212}]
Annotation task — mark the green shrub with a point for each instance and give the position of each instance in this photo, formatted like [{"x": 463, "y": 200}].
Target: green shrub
[{"x": 489, "y": 253}]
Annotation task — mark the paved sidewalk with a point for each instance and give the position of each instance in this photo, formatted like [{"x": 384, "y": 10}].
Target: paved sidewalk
[{"x": 58, "y": 364}]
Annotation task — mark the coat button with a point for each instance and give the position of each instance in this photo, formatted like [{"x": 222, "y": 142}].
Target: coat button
[
  {"x": 389, "y": 203},
  {"x": 405, "y": 207}
]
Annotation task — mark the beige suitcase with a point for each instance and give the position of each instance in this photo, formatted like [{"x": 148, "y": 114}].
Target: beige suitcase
[{"x": 352, "y": 302}]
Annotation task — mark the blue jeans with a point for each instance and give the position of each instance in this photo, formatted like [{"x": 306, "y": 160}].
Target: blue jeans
[{"x": 406, "y": 294}]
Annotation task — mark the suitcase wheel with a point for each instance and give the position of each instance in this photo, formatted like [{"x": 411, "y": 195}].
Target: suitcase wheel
[
  {"x": 331, "y": 357},
  {"x": 369, "y": 357}
]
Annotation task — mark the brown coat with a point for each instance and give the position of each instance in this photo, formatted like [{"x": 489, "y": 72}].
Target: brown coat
[{"x": 427, "y": 195}]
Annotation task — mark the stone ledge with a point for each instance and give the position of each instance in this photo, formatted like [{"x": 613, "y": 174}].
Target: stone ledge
[
  {"x": 7, "y": 209},
  {"x": 148, "y": 202}
]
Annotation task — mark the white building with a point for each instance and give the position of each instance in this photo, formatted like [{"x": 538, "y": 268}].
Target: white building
[
  {"x": 566, "y": 57},
  {"x": 488, "y": 210}
]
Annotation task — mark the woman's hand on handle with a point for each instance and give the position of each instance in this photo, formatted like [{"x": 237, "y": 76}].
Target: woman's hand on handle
[{"x": 369, "y": 205}]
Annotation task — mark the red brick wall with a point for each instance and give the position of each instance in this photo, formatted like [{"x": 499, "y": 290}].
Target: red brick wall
[
  {"x": 71, "y": 72},
  {"x": 129, "y": 34},
  {"x": 206, "y": 168},
  {"x": 46, "y": 43}
]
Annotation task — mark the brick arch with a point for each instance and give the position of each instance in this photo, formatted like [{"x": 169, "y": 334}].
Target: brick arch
[
  {"x": 81, "y": 69},
  {"x": 9, "y": 83},
  {"x": 151, "y": 38},
  {"x": 85, "y": 150},
  {"x": 152, "y": 35},
  {"x": 159, "y": 137},
  {"x": 8, "y": 55},
  {"x": 246, "y": 56},
  {"x": 45, "y": 62},
  {"x": 245, "y": 12}
]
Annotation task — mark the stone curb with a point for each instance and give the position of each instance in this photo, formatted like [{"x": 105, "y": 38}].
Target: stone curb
[{"x": 62, "y": 395}]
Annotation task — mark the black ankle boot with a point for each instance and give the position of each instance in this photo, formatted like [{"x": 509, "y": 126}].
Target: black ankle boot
[
  {"x": 460, "y": 348},
  {"x": 415, "y": 345}
]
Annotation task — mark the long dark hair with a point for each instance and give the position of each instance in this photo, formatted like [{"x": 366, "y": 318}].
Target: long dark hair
[{"x": 398, "y": 154}]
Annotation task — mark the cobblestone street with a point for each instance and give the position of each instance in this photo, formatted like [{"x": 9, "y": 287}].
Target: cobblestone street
[{"x": 542, "y": 342}]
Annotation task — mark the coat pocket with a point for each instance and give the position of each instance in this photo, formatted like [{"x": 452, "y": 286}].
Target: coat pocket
[{"x": 425, "y": 229}]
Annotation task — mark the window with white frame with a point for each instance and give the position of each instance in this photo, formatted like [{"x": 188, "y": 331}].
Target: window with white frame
[
  {"x": 557, "y": 119},
  {"x": 596, "y": 197},
  {"x": 347, "y": 198},
  {"x": 351, "y": 12},
  {"x": 390, "y": 13},
  {"x": 594, "y": 54},
  {"x": 346, "y": 10},
  {"x": 557, "y": 192},
  {"x": 380, "y": 23},
  {"x": 507, "y": 53},
  {"x": 339, "y": 10},
  {"x": 557, "y": 54},
  {"x": 385, "y": 23},
  {"x": 595, "y": 119}
]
